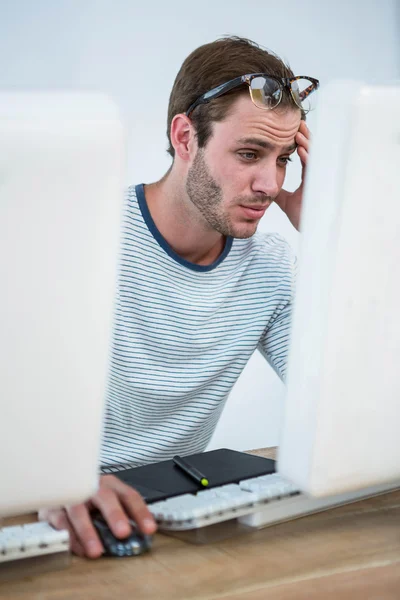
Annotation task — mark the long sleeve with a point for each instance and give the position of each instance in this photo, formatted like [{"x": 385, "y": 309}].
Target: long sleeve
[{"x": 274, "y": 343}]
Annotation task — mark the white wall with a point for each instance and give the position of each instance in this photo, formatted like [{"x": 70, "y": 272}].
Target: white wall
[{"x": 129, "y": 49}]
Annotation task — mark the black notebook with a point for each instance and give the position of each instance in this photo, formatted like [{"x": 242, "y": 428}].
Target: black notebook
[{"x": 162, "y": 480}]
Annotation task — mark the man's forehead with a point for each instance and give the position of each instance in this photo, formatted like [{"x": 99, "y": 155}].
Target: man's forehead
[{"x": 278, "y": 126}]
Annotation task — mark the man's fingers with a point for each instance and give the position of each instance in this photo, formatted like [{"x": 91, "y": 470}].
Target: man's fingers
[
  {"x": 108, "y": 502},
  {"x": 303, "y": 154},
  {"x": 304, "y": 129},
  {"x": 117, "y": 502},
  {"x": 133, "y": 503},
  {"x": 59, "y": 520},
  {"x": 302, "y": 141},
  {"x": 138, "y": 510},
  {"x": 79, "y": 518}
]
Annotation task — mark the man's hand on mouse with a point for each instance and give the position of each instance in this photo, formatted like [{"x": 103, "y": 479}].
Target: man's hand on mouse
[
  {"x": 116, "y": 501},
  {"x": 290, "y": 202}
]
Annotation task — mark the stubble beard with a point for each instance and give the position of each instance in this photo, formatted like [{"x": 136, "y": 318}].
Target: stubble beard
[{"x": 204, "y": 192}]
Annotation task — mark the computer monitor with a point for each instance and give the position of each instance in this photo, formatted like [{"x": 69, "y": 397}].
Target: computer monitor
[
  {"x": 61, "y": 184},
  {"x": 342, "y": 410}
]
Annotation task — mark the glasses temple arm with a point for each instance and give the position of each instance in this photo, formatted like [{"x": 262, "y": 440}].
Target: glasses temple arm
[{"x": 215, "y": 93}]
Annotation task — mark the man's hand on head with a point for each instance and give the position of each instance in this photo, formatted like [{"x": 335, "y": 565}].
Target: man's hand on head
[
  {"x": 290, "y": 202},
  {"x": 116, "y": 501}
]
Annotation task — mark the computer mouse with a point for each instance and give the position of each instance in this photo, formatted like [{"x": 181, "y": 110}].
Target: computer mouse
[{"x": 136, "y": 543}]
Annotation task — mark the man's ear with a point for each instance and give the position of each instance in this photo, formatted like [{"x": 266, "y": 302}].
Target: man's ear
[{"x": 183, "y": 138}]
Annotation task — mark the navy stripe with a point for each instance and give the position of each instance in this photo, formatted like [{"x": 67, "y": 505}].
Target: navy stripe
[{"x": 163, "y": 243}]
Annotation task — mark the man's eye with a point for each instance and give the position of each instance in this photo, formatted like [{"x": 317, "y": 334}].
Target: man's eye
[
  {"x": 284, "y": 160},
  {"x": 248, "y": 155}
]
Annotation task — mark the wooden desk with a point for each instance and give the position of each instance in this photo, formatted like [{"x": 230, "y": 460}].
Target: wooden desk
[{"x": 351, "y": 552}]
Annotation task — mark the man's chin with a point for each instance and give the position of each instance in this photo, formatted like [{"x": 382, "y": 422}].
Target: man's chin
[{"x": 243, "y": 232}]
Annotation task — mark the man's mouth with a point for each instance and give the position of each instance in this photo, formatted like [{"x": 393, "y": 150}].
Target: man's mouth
[{"x": 254, "y": 211}]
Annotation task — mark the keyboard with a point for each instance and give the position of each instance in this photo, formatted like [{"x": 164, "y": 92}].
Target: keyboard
[
  {"x": 253, "y": 502},
  {"x": 33, "y": 539}
]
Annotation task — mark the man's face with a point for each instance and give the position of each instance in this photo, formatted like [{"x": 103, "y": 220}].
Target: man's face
[{"x": 234, "y": 179}]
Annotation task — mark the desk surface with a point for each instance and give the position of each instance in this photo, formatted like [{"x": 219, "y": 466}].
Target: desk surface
[{"x": 351, "y": 552}]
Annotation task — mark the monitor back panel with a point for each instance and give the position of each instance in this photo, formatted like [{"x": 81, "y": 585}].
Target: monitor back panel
[
  {"x": 61, "y": 162},
  {"x": 342, "y": 412}
]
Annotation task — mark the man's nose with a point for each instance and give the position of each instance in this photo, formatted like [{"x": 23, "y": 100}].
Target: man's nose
[{"x": 266, "y": 182}]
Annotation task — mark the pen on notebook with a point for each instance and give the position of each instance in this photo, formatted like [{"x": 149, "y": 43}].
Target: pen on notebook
[{"x": 190, "y": 470}]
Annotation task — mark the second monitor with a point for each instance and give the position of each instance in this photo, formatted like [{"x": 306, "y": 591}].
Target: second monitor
[{"x": 342, "y": 410}]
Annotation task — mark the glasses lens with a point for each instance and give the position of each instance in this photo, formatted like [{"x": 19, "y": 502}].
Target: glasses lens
[
  {"x": 265, "y": 92},
  {"x": 302, "y": 93}
]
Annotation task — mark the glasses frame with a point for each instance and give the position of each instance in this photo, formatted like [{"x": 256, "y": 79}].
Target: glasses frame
[{"x": 283, "y": 82}]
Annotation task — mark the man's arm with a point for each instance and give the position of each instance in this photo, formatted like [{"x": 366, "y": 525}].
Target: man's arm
[
  {"x": 291, "y": 202},
  {"x": 274, "y": 344}
]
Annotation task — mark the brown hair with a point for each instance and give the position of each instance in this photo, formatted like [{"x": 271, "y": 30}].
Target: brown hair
[{"x": 211, "y": 65}]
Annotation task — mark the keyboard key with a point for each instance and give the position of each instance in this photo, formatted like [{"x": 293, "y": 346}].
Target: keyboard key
[
  {"x": 33, "y": 539},
  {"x": 220, "y": 503}
]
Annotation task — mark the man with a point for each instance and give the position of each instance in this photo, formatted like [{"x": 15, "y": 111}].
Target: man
[{"x": 198, "y": 292}]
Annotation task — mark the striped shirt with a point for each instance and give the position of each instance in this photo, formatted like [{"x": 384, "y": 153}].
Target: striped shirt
[{"x": 183, "y": 333}]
